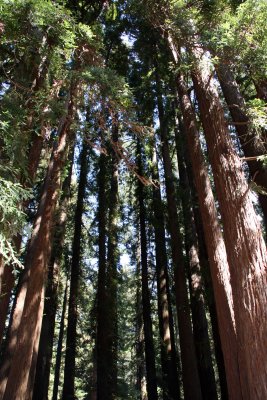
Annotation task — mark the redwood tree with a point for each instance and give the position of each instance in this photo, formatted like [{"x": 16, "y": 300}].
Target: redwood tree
[
  {"x": 69, "y": 371},
  {"x": 243, "y": 238}
]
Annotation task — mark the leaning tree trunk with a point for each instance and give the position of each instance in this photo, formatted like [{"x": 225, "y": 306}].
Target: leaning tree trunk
[
  {"x": 22, "y": 348},
  {"x": 148, "y": 333},
  {"x": 171, "y": 387},
  {"x": 214, "y": 240},
  {"x": 243, "y": 238},
  {"x": 7, "y": 275},
  {"x": 69, "y": 370},
  {"x": 188, "y": 354},
  {"x": 204, "y": 261},
  {"x": 44, "y": 359},
  {"x": 251, "y": 146}
]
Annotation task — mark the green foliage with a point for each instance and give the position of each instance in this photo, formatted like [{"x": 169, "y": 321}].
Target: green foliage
[
  {"x": 12, "y": 217},
  {"x": 109, "y": 85},
  {"x": 257, "y": 111},
  {"x": 263, "y": 159},
  {"x": 250, "y": 34},
  {"x": 239, "y": 36},
  {"x": 112, "y": 12}
]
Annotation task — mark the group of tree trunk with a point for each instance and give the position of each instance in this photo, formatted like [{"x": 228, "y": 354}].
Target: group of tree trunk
[{"x": 197, "y": 243}]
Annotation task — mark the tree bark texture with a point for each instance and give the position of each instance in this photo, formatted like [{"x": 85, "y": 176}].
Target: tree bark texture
[
  {"x": 51, "y": 297},
  {"x": 140, "y": 346},
  {"x": 251, "y": 144},
  {"x": 215, "y": 245},
  {"x": 243, "y": 238},
  {"x": 213, "y": 237},
  {"x": 35, "y": 265},
  {"x": 204, "y": 261},
  {"x": 188, "y": 354},
  {"x": 112, "y": 265},
  {"x": 101, "y": 334},
  {"x": 146, "y": 307},
  {"x": 60, "y": 343},
  {"x": 171, "y": 388},
  {"x": 69, "y": 371},
  {"x": 200, "y": 325},
  {"x": 7, "y": 274}
]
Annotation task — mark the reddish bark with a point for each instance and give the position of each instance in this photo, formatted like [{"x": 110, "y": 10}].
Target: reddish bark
[
  {"x": 69, "y": 370},
  {"x": 60, "y": 344},
  {"x": 252, "y": 145},
  {"x": 41, "y": 383},
  {"x": 171, "y": 387},
  {"x": 101, "y": 339},
  {"x": 197, "y": 296},
  {"x": 214, "y": 239},
  {"x": 243, "y": 238},
  {"x": 35, "y": 265},
  {"x": 188, "y": 353},
  {"x": 146, "y": 307},
  {"x": 112, "y": 265}
]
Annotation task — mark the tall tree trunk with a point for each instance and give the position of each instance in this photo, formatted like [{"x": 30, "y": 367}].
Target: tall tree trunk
[
  {"x": 148, "y": 333},
  {"x": 243, "y": 238},
  {"x": 213, "y": 237},
  {"x": 101, "y": 337},
  {"x": 200, "y": 325},
  {"x": 69, "y": 371},
  {"x": 7, "y": 278},
  {"x": 60, "y": 343},
  {"x": 188, "y": 354},
  {"x": 112, "y": 264},
  {"x": 48, "y": 324},
  {"x": 31, "y": 378},
  {"x": 140, "y": 348},
  {"x": 251, "y": 146},
  {"x": 204, "y": 261},
  {"x": 171, "y": 387},
  {"x": 22, "y": 348},
  {"x": 38, "y": 78}
]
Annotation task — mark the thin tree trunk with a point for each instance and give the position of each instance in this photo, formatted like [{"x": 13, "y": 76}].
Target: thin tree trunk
[
  {"x": 140, "y": 346},
  {"x": 60, "y": 344},
  {"x": 69, "y": 371},
  {"x": 188, "y": 354},
  {"x": 171, "y": 387},
  {"x": 112, "y": 264},
  {"x": 213, "y": 237},
  {"x": 48, "y": 324},
  {"x": 22, "y": 350},
  {"x": 7, "y": 283},
  {"x": 243, "y": 238},
  {"x": 251, "y": 146},
  {"x": 101, "y": 338},
  {"x": 148, "y": 333}
]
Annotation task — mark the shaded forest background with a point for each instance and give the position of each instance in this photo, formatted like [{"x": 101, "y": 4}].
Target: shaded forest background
[{"x": 133, "y": 204}]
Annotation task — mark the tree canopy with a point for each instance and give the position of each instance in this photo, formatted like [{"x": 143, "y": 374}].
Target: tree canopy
[{"x": 133, "y": 204}]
